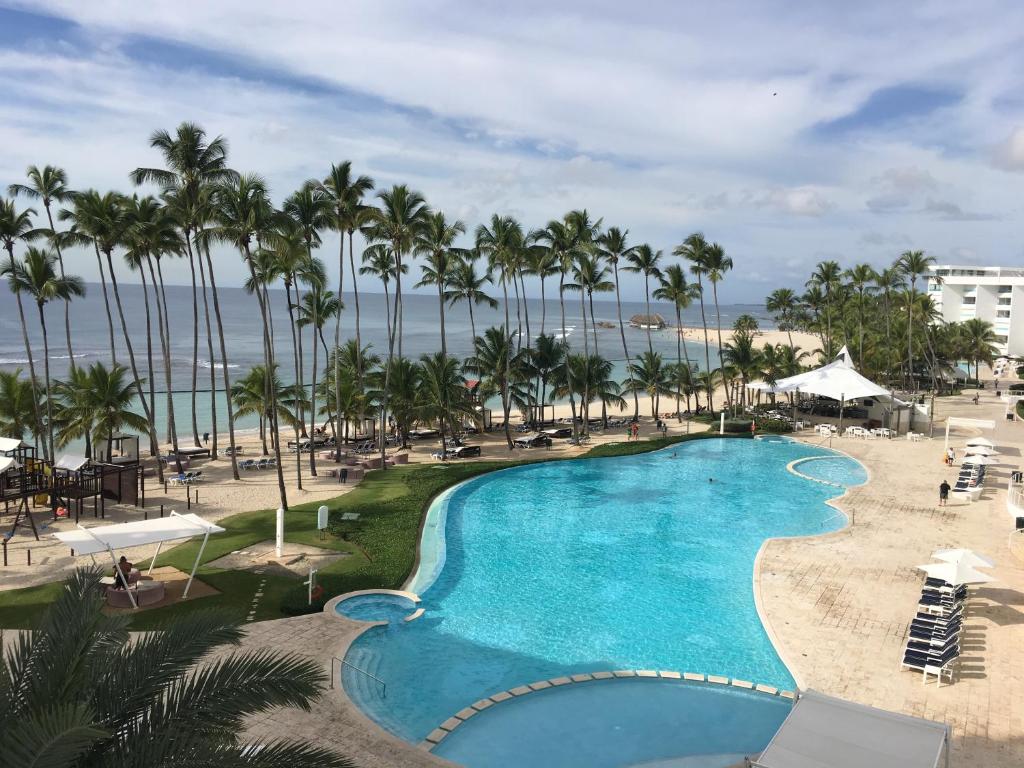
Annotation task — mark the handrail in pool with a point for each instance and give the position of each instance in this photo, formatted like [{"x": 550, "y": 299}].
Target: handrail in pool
[{"x": 383, "y": 685}]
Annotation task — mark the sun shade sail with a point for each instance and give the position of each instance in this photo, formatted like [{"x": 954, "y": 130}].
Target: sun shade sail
[
  {"x": 10, "y": 444},
  {"x": 71, "y": 462},
  {"x": 137, "y": 534},
  {"x": 8, "y": 463},
  {"x": 837, "y": 380},
  {"x": 825, "y": 732}
]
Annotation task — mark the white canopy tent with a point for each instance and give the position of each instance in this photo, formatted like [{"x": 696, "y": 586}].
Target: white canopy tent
[
  {"x": 825, "y": 731},
  {"x": 955, "y": 573},
  {"x": 7, "y": 463},
  {"x": 71, "y": 462},
  {"x": 980, "y": 442},
  {"x": 967, "y": 556},
  {"x": 107, "y": 538},
  {"x": 8, "y": 444}
]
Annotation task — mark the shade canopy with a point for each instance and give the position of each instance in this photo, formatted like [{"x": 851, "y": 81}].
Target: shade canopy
[
  {"x": 980, "y": 441},
  {"x": 10, "y": 444},
  {"x": 955, "y": 573},
  {"x": 825, "y": 732},
  {"x": 71, "y": 462},
  {"x": 89, "y": 541},
  {"x": 837, "y": 380},
  {"x": 980, "y": 450},
  {"x": 7, "y": 463},
  {"x": 981, "y": 460},
  {"x": 968, "y": 557}
]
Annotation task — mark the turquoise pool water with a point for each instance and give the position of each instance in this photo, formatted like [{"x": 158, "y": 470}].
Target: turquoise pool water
[
  {"x": 377, "y": 607},
  {"x": 640, "y": 562},
  {"x": 834, "y": 469},
  {"x": 653, "y": 720}
]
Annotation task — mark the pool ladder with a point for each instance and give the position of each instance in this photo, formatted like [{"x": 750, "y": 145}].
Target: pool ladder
[{"x": 342, "y": 662}]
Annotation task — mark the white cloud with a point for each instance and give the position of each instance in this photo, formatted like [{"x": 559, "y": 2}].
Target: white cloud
[
  {"x": 1009, "y": 154},
  {"x": 800, "y": 201}
]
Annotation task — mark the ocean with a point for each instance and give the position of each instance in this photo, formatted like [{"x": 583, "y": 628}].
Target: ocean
[{"x": 243, "y": 336}]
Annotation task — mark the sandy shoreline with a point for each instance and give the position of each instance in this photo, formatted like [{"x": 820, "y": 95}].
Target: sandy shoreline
[{"x": 806, "y": 342}]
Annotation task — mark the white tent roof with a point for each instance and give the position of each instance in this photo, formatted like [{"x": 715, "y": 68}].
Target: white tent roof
[
  {"x": 8, "y": 463},
  {"x": 10, "y": 444},
  {"x": 89, "y": 541},
  {"x": 955, "y": 573},
  {"x": 837, "y": 380},
  {"x": 824, "y": 731},
  {"x": 70, "y": 461},
  {"x": 971, "y": 558},
  {"x": 979, "y": 442}
]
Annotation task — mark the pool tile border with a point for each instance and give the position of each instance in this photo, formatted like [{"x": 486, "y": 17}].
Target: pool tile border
[{"x": 438, "y": 734}]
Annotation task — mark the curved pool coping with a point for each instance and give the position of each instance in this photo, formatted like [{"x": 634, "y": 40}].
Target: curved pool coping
[
  {"x": 773, "y": 638},
  {"x": 331, "y": 606},
  {"x": 437, "y": 735}
]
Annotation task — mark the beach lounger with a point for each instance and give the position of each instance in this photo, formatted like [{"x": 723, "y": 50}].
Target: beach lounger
[
  {"x": 247, "y": 464},
  {"x": 918, "y": 661},
  {"x": 263, "y": 464}
]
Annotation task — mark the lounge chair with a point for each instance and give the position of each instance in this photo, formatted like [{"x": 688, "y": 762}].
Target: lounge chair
[
  {"x": 918, "y": 661},
  {"x": 247, "y": 464},
  {"x": 263, "y": 464}
]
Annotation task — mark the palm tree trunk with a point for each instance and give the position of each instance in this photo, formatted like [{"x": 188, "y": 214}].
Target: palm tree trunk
[
  {"x": 195, "y": 337},
  {"x": 398, "y": 299},
  {"x": 707, "y": 346},
  {"x": 718, "y": 323},
  {"x": 302, "y": 364},
  {"x": 355, "y": 296},
  {"x": 519, "y": 315},
  {"x": 472, "y": 321},
  {"x": 299, "y": 391},
  {"x": 312, "y": 402},
  {"x": 679, "y": 361},
  {"x": 647, "y": 299},
  {"x": 37, "y": 431},
  {"x": 910, "y": 338},
  {"x": 135, "y": 370},
  {"x": 337, "y": 345},
  {"x": 149, "y": 350},
  {"x": 165, "y": 338},
  {"x": 526, "y": 312},
  {"x": 106, "y": 303},
  {"x": 593, "y": 329},
  {"x": 565, "y": 342},
  {"x": 585, "y": 404},
  {"x": 622, "y": 334},
  {"x": 46, "y": 375},
  {"x": 209, "y": 351},
  {"x": 67, "y": 302},
  {"x": 440, "y": 305}
]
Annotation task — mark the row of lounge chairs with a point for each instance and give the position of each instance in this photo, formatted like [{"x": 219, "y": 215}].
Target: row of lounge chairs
[
  {"x": 970, "y": 481},
  {"x": 185, "y": 478},
  {"x": 253, "y": 464},
  {"x": 935, "y": 631}
]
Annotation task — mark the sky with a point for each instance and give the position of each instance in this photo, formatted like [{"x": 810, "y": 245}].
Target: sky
[{"x": 788, "y": 132}]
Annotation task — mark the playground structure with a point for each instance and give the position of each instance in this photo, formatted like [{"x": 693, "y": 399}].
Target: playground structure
[{"x": 28, "y": 482}]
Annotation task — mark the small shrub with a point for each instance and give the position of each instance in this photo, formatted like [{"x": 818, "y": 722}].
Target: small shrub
[
  {"x": 775, "y": 426},
  {"x": 736, "y": 426}
]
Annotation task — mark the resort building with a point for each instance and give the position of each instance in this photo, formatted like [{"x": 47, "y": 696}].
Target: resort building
[{"x": 988, "y": 293}]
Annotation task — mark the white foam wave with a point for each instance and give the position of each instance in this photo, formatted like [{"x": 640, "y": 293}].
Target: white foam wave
[
  {"x": 12, "y": 361},
  {"x": 218, "y": 366}
]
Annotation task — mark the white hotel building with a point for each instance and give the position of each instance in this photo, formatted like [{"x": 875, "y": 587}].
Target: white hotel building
[{"x": 994, "y": 294}]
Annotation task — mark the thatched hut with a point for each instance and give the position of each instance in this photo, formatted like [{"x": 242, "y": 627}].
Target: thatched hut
[{"x": 657, "y": 322}]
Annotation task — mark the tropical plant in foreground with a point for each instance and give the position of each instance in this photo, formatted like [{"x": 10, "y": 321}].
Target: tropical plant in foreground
[
  {"x": 17, "y": 411},
  {"x": 80, "y": 692}
]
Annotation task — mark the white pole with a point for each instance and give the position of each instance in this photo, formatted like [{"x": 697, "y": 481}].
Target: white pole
[
  {"x": 155, "y": 556},
  {"x": 945, "y": 448},
  {"x": 195, "y": 565},
  {"x": 721, "y": 424},
  {"x": 119, "y": 575},
  {"x": 279, "y": 545}
]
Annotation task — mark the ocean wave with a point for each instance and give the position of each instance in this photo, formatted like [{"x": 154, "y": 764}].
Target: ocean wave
[
  {"x": 65, "y": 357},
  {"x": 12, "y": 361},
  {"x": 218, "y": 366}
]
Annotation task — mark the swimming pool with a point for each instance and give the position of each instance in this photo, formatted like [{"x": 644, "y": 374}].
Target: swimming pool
[
  {"x": 638, "y": 562},
  {"x": 377, "y": 606}
]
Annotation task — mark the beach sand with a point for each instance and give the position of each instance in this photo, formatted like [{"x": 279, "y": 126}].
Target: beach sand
[{"x": 807, "y": 342}]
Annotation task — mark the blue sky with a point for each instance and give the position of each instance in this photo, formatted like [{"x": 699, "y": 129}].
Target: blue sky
[{"x": 789, "y": 134}]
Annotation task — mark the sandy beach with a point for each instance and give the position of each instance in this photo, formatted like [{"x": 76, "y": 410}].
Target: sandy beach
[{"x": 806, "y": 342}]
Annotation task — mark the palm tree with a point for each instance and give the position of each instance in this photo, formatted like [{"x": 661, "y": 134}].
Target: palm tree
[
  {"x": 381, "y": 264},
  {"x": 783, "y": 303},
  {"x": 49, "y": 184},
  {"x": 318, "y": 306},
  {"x": 592, "y": 278},
  {"x": 435, "y": 243},
  {"x": 887, "y": 282},
  {"x": 344, "y": 196},
  {"x": 40, "y": 280},
  {"x": 109, "y": 399},
  {"x": 163, "y": 698},
  {"x": 612, "y": 247},
  {"x": 266, "y": 398},
  {"x": 649, "y": 375},
  {"x": 442, "y": 395},
  {"x": 17, "y": 227},
  {"x": 826, "y": 277},
  {"x": 588, "y": 376},
  {"x": 74, "y": 414},
  {"x": 498, "y": 366},
  {"x": 466, "y": 285},
  {"x": 241, "y": 213},
  {"x": 543, "y": 361},
  {"x": 694, "y": 249},
  {"x": 979, "y": 342},
  {"x": 743, "y": 358},
  {"x": 541, "y": 262},
  {"x": 501, "y": 243},
  {"x": 716, "y": 264},
  {"x": 397, "y": 222},
  {"x": 913, "y": 264},
  {"x": 17, "y": 409},
  {"x": 675, "y": 289},
  {"x": 645, "y": 260},
  {"x": 861, "y": 276}
]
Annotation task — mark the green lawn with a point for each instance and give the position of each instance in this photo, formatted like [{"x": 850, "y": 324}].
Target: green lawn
[{"x": 381, "y": 544}]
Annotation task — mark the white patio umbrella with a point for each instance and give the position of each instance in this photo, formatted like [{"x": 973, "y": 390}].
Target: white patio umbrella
[
  {"x": 981, "y": 441},
  {"x": 981, "y": 460},
  {"x": 969, "y": 557},
  {"x": 955, "y": 573},
  {"x": 980, "y": 450}
]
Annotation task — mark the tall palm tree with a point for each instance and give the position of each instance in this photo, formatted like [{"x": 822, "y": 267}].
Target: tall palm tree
[
  {"x": 716, "y": 264},
  {"x": 109, "y": 397},
  {"x": 464, "y": 284},
  {"x": 541, "y": 262},
  {"x": 612, "y": 246},
  {"x": 499, "y": 367},
  {"x": 344, "y": 195},
  {"x": 241, "y": 213},
  {"x": 887, "y": 282},
  {"x": 645, "y": 260},
  {"x": 741, "y": 355},
  {"x": 164, "y": 698},
  {"x": 501, "y": 242},
  {"x": 17, "y": 409},
  {"x": 436, "y": 244},
  {"x": 318, "y": 305},
  {"x": 826, "y": 276},
  {"x": 17, "y": 227},
  {"x": 381, "y": 264},
  {"x": 251, "y": 396},
  {"x": 979, "y": 342},
  {"x": 694, "y": 250},
  {"x": 783, "y": 303},
  {"x": 675, "y": 289},
  {"x": 40, "y": 280},
  {"x": 650, "y": 375},
  {"x": 861, "y": 277},
  {"x": 913, "y": 265},
  {"x": 543, "y": 361},
  {"x": 403, "y": 213},
  {"x": 50, "y": 185},
  {"x": 442, "y": 394}
]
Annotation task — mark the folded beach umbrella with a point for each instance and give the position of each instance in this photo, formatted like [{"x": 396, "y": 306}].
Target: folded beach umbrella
[
  {"x": 955, "y": 573},
  {"x": 981, "y": 460},
  {"x": 982, "y": 441},
  {"x": 980, "y": 450},
  {"x": 968, "y": 557}
]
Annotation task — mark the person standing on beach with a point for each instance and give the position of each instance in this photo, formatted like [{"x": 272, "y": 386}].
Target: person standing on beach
[{"x": 943, "y": 493}]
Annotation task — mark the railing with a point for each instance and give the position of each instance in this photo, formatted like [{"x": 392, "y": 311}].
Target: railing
[
  {"x": 1015, "y": 497},
  {"x": 342, "y": 662}
]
